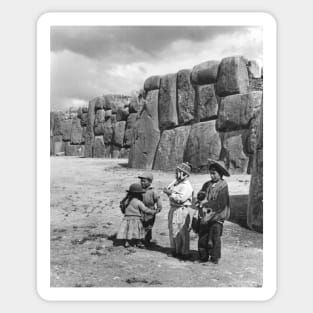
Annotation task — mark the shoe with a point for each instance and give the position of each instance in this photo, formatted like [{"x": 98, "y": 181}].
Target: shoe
[
  {"x": 140, "y": 245},
  {"x": 214, "y": 260}
]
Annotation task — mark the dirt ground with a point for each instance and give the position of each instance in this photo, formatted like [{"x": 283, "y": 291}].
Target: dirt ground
[{"x": 85, "y": 214}]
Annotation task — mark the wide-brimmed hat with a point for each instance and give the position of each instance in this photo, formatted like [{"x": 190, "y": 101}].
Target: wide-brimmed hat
[
  {"x": 135, "y": 188},
  {"x": 146, "y": 175},
  {"x": 218, "y": 166},
  {"x": 184, "y": 167}
]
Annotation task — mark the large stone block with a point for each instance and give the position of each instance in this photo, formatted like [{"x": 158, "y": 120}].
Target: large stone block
[
  {"x": 203, "y": 143},
  {"x": 122, "y": 114},
  {"x": 185, "y": 97},
  {"x": 66, "y": 129},
  {"x": 100, "y": 149},
  {"x": 233, "y": 151},
  {"x": 170, "y": 151},
  {"x": 144, "y": 142},
  {"x": 167, "y": 102},
  {"x": 77, "y": 132},
  {"x": 205, "y": 73},
  {"x": 89, "y": 135},
  {"x": 152, "y": 83},
  {"x": 135, "y": 105},
  {"x": 118, "y": 133},
  {"x": 255, "y": 201},
  {"x": 237, "y": 111},
  {"x": 58, "y": 144},
  {"x": 207, "y": 104},
  {"x": 58, "y": 117},
  {"x": 115, "y": 152},
  {"x": 232, "y": 76},
  {"x": 74, "y": 150},
  {"x": 130, "y": 124},
  {"x": 52, "y": 114},
  {"x": 84, "y": 119},
  {"x": 99, "y": 103},
  {"x": 151, "y": 106}
]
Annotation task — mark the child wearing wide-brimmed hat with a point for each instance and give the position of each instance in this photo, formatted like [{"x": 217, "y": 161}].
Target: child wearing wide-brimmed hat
[
  {"x": 131, "y": 231},
  {"x": 214, "y": 210}
]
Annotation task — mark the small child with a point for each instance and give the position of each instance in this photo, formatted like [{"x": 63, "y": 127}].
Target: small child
[{"x": 131, "y": 231}]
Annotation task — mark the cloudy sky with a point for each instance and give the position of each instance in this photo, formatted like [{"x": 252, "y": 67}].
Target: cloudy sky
[{"x": 90, "y": 61}]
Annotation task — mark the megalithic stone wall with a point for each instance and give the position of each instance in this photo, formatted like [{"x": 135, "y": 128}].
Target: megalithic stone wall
[
  {"x": 94, "y": 131},
  {"x": 220, "y": 103},
  {"x": 255, "y": 200}
]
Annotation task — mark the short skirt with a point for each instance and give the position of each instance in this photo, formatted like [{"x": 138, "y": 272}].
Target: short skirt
[{"x": 131, "y": 228}]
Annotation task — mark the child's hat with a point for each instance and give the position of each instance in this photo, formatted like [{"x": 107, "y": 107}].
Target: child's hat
[
  {"x": 135, "y": 188},
  {"x": 218, "y": 166},
  {"x": 146, "y": 175}
]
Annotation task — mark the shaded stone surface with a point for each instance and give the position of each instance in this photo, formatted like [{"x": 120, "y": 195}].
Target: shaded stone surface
[
  {"x": 232, "y": 76},
  {"x": 254, "y": 69},
  {"x": 131, "y": 120},
  {"x": 207, "y": 104},
  {"x": 122, "y": 114},
  {"x": 205, "y": 73},
  {"x": 66, "y": 129},
  {"x": 124, "y": 153},
  {"x": 115, "y": 152},
  {"x": 134, "y": 105},
  {"x": 170, "y": 151},
  {"x": 107, "y": 128},
  {"x": 99, "y": 103},
  {"x": 255, "y": 201},
  {"x": 152, "y": 83},
  {"x": 144, "y": 141},
  {"x": 233, "y": 152},
  {"x": 89, "y": 135},
  {"x": 99, "y": 148},
  {"x": 185, "y": 97},
  {"x": 237, "y": 111},
  {"x": 57, "y": 119},
  {"x": 118, "y": 133},
  {"x": 74, "y": 150},
  {"x": 151, "y": 107},
  {"x": 58, "y": 144},
  {"x": 77, "y": 132},
  {"x": 167, "y": 102},
  {"x": 203, "y": 143},
  {"x": 84, "y": 119}
]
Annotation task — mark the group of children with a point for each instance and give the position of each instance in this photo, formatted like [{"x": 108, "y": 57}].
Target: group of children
[
  {"x": 139, "y": 207},
  {"x": 205, "y": 214}
]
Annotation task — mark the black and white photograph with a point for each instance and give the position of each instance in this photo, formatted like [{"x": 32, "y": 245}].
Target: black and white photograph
[{"x": 156, "y": 156}]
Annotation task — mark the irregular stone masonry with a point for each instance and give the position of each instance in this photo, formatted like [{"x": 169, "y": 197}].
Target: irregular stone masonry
[{"x": 225, "y": 93}]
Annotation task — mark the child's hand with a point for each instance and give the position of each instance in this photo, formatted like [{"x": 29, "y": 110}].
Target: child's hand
[{"x": 167, "y": 191}]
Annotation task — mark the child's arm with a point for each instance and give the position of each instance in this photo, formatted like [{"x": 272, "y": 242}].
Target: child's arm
[{"x": 144, "y": 209}]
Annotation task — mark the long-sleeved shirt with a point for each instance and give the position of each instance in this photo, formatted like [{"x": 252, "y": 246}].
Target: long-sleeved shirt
[
  {"x": 152, "y": 201},
  {"x": 181, "y": 194},
  {"x": 135, "y": 208},
  {"x": 217, "y": 197}
]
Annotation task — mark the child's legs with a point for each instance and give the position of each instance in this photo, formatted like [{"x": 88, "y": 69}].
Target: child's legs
[
  {"x": 203, "y": 242},
  {"x": 215, "y": 233}
]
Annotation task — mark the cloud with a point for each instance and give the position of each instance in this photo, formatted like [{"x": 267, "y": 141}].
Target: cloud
[{"x": 87, "y": 62}]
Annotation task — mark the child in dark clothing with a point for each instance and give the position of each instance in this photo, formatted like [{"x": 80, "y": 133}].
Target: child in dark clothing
[
  {"x": 213, "y": 201},
  {"x": 131, "y": 231}
]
